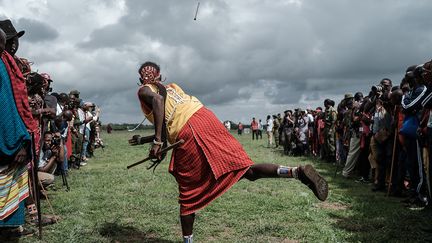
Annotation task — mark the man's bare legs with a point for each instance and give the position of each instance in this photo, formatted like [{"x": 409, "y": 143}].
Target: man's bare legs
[{"x": 306, "y": 174}]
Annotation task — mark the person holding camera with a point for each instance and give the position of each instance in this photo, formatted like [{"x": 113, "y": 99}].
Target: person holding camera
[
  {"x": 51, "y": 154},
  {"x": 288, "y": 126}
]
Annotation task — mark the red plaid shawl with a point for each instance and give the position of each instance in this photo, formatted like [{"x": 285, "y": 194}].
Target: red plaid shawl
[
  {"x": 19, "y": 91},
  {"x": 209, "y": 162}
]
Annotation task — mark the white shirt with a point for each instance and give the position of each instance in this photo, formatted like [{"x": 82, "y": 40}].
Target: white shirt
[
  {"x": 82, "y": 118},
  {"x": 59, "y": 109},
  {"x": 228, "y": 125},
  {"x": 310, "y": 118},
  {"x": 270, "y": 125}
]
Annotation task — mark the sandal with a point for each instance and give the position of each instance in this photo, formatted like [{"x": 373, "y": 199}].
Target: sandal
[{"x": 17, "y": 232}]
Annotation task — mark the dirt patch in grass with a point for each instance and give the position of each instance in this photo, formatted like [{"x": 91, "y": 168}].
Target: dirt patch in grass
[{"x": 332, "y": 205}]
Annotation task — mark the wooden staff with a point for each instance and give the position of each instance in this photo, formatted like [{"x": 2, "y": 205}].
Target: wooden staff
[
  {"x": 393, "y": 158},
  {"x": 172, "y": 146},
  {"x": 35, "y": 185},
  {"x": 426, "y": 162}
]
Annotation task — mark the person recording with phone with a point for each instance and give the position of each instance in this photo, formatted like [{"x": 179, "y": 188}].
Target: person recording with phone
[{"x": 52, "y": 153}]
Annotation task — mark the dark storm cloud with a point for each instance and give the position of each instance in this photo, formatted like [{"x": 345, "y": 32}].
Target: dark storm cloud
[
  {"x": 252, "y": 53},
  {"x": 288, "y": 44},
  {"x": 37, "y": 31}
]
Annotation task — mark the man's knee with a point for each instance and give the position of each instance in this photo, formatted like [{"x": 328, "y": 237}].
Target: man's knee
[{"x": 46, "y": 178}]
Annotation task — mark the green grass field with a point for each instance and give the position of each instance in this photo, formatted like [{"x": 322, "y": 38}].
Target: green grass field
[{"x": 108, "y": 203}]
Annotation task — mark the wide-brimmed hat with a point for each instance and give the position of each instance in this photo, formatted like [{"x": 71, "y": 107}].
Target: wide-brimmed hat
[{"x": 9, "y": 29}]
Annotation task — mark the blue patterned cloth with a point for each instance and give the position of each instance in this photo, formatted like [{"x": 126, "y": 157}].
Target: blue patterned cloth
[
  {"x": 13, "y": 131},
  {"x": 15, "y": 219}
]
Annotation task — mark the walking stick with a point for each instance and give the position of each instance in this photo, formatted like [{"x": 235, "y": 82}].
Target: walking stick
[
  {"x": 172, "y": 146},
  {"x": 36, "y": 185},
  {"x": 336, "y": 170},
  {"x": 336, "y": 155},
  {"x": 426, "y": 162},
  {"x": 393, "y": 159}
]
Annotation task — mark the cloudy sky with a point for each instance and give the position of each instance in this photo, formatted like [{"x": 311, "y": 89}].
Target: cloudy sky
[{"x": 241, "y": 58}]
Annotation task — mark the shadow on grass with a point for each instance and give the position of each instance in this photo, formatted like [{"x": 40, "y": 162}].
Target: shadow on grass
[
  {"x": 372, "y": 216},
  {"x": 121, "y": 233}
]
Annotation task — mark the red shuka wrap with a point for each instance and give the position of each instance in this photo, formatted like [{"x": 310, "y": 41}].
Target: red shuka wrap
[
  {"x": 20, "y": 91},
  {"x": 209, "y": 162}
]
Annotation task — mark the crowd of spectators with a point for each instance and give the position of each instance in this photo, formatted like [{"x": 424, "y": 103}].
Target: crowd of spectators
[
  {"x": 383, "y": 139},
  {"x": 61, "y": 132}
]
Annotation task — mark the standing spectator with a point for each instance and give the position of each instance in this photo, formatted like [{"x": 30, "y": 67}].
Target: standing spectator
[
  {"x": 85, "y": 118},
  {"x": 275, "y": 131},
  {"x": 260, "y": 128},
  {"x": 381, "y": 130},
  {"x": 303, "y": 121},
  {"x": 240, "y": 128},
  {"x": 94, "y": 112},
  {"x": 412, "y": 102},
  {"x": 280, "y": 120},
  {"x": 427, "y": 77},
  {"x": 269, "y": 130},
  {"x": 352, "y": 123},
  {"x": 330, "y": 117},
  {"x": 310, "y": 132},
  {"x": 287, "y": 130},
  {"x": 319, "y": 137},
  {"x": 254, "y": 127},
  {"x": 61, "y": 125},
  {"x": 98, "y": 139},
  {"x": 109, "y": 128},
  {"x": 341, "y": 128}
]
